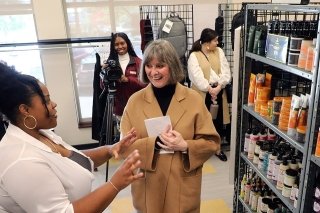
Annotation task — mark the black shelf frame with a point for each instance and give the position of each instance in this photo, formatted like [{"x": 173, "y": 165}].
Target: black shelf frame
[{"x": 310, "y": 163}]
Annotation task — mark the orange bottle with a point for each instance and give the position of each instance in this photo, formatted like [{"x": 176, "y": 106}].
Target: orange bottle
[{"x": 317, "y": 153}]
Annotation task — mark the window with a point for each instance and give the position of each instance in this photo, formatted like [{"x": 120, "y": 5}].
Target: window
[
  {"x": 88, "y": 18},
  {"x": 16, "y": 19}
]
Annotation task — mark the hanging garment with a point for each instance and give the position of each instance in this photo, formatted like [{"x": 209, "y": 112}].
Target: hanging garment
[
  {"x": 98, "y": 103},
  {"x": 219, "y": 29},
  {"x": 145, "y": 32},
  {"x": 219, "y": 22}
]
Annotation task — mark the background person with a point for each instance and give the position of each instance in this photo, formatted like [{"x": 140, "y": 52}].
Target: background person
[
  {"x": 39, "y": 172},
  {"x": 173, "y": 164},
  {"x": 121, "y": 50},
  {"x": 209, "y": 73}
]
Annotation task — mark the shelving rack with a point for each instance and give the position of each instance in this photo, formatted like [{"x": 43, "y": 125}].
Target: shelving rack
[{"x": 310, "y": 163}]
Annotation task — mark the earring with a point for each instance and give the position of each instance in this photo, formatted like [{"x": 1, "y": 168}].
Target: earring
[
  {"x": 35, "y": 122},
  {"x": 208, "y": 47}
]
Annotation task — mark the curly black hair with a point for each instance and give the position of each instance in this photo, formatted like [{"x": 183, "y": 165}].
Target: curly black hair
[{"x": 16, "y": 89}]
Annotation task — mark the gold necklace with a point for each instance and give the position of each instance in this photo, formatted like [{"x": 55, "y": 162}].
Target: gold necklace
[{"x": 51, "y": 143}]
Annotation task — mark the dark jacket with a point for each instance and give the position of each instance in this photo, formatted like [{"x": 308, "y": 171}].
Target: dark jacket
[{"x": 126, "y": 89}]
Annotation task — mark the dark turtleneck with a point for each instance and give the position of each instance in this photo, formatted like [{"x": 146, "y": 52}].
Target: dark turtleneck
[{"x": 164, "y": 96}]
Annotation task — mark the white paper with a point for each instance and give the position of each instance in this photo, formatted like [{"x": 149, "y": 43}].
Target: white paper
[
  {"x": 155, "y": 126},
  {"x": 167, "y": 26}
]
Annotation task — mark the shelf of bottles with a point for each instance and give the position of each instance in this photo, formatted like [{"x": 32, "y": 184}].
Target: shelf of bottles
[
  {"x": 291, "y": 30},
  {"x": 272, "y": 185},
  {"x": 267, "y": 121}
]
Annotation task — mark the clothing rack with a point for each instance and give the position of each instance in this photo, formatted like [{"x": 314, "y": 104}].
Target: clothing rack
[{"x": 156, "y": 13}]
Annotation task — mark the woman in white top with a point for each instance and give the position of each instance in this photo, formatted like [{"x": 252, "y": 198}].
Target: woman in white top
[
  {"x": 39, "y": 172},
  {"x": 209, "y": 73}
]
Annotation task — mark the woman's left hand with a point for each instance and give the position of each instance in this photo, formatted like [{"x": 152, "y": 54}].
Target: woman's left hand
[
  {"x": 173, "y": 141},
  {"x": 121, "y": 146}
]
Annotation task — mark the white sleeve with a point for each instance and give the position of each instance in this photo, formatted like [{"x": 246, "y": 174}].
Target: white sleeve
[
  {"x": 38, "y": 189},
  {"x": 225, "y": 75},
  {"x": 196, "y": 74}
]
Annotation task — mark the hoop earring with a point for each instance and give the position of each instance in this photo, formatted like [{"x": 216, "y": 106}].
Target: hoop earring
[{"x": 35, "y": 121}]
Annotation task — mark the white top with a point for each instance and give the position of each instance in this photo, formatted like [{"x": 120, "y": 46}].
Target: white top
[
  {"x": 35, "y": 179},
  {"x": 124, "y": 61},
  {"x": 197, "y": 78}
]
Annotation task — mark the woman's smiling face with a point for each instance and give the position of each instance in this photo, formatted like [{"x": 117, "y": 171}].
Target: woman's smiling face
[{"x": 158, "y": 73}]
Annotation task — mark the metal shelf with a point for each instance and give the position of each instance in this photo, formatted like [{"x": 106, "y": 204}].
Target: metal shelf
[
  {"x": 285, "y": 7},
  {"x": 245, "y": 205},
  {"x": 264, "y": 13},
  {"x": 315, "y": 160},
  {"x": 294, "y": 143},
  {"x": 272, "y": 186},
  {"x": 285, "y": 67}
]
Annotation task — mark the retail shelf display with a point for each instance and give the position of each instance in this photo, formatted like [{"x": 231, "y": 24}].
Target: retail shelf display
[{"x": 285, "y": 81}]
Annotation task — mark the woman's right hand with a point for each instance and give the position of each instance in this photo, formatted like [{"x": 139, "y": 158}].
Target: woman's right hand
[{"x": 128, "y": 171}]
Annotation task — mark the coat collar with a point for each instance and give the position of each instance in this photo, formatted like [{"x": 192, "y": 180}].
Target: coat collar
[{"x": 175, "y": 110}]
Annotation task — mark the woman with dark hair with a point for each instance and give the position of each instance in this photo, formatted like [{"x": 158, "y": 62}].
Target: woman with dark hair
[
  {"x": 209, "y": 73},
  {"x": 121, "y": 50},
  {"x": 39, "y": 172},
  {"x": 173, "y": 161}
]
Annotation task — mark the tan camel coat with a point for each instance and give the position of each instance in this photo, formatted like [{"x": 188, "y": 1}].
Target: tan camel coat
[{"x": 172, "y": 182}]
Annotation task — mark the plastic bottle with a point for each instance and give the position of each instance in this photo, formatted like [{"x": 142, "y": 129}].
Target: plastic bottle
[
  {"x": 243, "y": 184},
  {"x": 263, "y": 135},
  {"x": 293, "y": 164},
  {"x": 276, "y": 168},
  {"x": 317, "y": 152},
  {"x": 271, "y": 136},
  {"x": 247, "y": 191},
  {"x": 282, "y": 169},
  {"x": 271, "y": 159},
  {"x": 247, "y": 140},
  {"x": 310, "y": 56},
  {"x": 254, "y": 199},
  {"x": 254, "y": 137},
  {"x": 257, "y": 149}
]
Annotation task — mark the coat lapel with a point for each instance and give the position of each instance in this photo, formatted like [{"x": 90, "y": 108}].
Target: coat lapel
[
  {"x": 175, "y": 110},
  {"x": 151, "y": 107}
]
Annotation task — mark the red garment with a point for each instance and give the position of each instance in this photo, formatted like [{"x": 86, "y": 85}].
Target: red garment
[{"x": 126, "y": 89}]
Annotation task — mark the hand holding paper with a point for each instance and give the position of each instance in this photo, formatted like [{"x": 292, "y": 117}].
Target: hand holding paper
[{"x": 173, "y": 140}]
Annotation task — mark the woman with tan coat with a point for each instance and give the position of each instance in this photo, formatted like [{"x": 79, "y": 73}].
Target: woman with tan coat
[{"x": 173, "y": 161}]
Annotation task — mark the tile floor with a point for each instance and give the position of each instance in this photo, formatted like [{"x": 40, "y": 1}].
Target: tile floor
[{"x": 216, "y": 194}]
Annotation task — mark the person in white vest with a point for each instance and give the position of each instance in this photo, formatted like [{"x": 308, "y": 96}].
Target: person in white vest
[{"x": 209, "y": 73}]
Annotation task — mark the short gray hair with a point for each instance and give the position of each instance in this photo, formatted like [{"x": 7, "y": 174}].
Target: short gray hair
[{"x": 165, "y": 53}]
